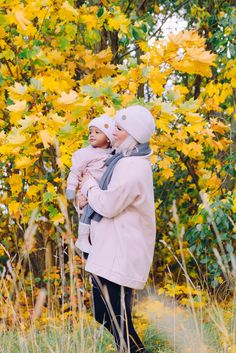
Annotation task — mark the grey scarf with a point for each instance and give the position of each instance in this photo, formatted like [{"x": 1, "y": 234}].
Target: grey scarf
[{"x": 141, "y": 149}]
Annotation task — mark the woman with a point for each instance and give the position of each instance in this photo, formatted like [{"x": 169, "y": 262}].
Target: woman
[{"x": 122, "y": 226}]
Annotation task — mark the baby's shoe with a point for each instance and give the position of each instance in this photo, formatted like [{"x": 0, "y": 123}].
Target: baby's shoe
[{"x": 82, "y": 241}]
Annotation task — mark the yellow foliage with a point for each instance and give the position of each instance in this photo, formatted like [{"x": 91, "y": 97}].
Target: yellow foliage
[
  {"x": 69, "y": 98},
  {"x": 157, "y": 80},
  {"x": 119, "y": 21},
  {"x": 19, "y": 106},
  {"x": 22, "y": 20},
  {"x": 55, "y": 76},
  {"x": 14, "y": 209}
]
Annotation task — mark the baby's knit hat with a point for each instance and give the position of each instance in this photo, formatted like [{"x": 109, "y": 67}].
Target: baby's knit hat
[
  {"x": 105, "y": 124},
  {"x": 137, "y": 121}
]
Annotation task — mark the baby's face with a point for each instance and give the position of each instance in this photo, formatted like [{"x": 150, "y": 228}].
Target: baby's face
[{"x": 97, "y": 138}]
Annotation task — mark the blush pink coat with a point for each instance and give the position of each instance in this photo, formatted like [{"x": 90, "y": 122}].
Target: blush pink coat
[
  {"x": 87, "y": 159},
  {"x": 123, "y": 241}
]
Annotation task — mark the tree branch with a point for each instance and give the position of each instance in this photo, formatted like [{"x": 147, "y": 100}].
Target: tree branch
[{"x": 157, "y": 31}]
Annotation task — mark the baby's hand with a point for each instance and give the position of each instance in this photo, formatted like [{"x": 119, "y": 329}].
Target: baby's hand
[{"x": 80, "y": 201}]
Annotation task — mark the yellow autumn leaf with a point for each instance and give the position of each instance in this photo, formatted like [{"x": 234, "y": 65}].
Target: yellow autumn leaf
[
  {"x": 211, "y": 181},
  {"x": 34, "y": 189},
  {"x": 234, "y": 204},
  {"x": 119, "y": 22},
  {"x": 18, "y": 88},
  {"x": 165, "y": 163},
  {"x": 2, "y": 136},
  {"x": 126, "y": 99},
  {"x": 187, "y": 38},
  {"x": 68, "y": 98},
  {"x": 200, "y": 55},
  {"x": 55, "y": 57},
  {"x": 24, "y": 162},
  {"x": 192, "y": 149},
  {"x": 144, "y": 46},
  {"x": 67, "y": 7},
  {"x": 211, "y": 105},
  {"x": 163, "y": 124},
  {"x": 15, "y": 182},
  {"x": 14, "y": 209},
  {"x": 22, "y": 20},
  {"x": 110, "y": 111},
  {"x": 46, "y": 137},
  {"x": 19, "y": 106},
  {"x": 153, "y": 159},
  {"x": 2, "y": 32},
  {"x": 15, "y": 138},
  {"x": 51, "y": 83},
  {"x": 91, "y": 21},
  {"x": 56, "y": 121},
  {"x": 193, "y": 118},
  {"x": 218, "y": 126},
  {"x": 192, "y": 67},
  {"x": 167, "y": 173},
  {"x": 189, "y": 106},
  {"x": 194, "y": 129},
  {"x": 64, "y": 160},
  {"x": 177, "y": 94},
  {"x": 58, "y": 218},
  {"x": 157, "y": 80}
]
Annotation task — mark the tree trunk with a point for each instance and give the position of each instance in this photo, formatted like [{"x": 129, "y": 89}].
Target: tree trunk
[{"x": 48, "y": 267}]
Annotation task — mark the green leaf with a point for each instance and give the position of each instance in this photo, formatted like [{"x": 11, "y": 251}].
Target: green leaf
[
  {"x": 100, "y": 12},
  {"x": 192, "y": 248},
  {"x": 1, "y": 80},
  {"x": 229, "y": 248},
  {"x": 52, "y": 210},
  {"x": 3, "y": 20},
  {"x": 7, "y": 54},
  {"x": 144, "y": 28},
  {"x": 116, "y": 101},
  {"x": 215, "y": 283},
  {"x": 63, "y": 43},
  {"x": 28, "y": 53},
  {"x": 135, "y": 34},
  {"x": 224, "y": 236},
  {"x": 39, "y": 62},
  {"x": 9, "y": 101},
  {"x": 48, "y": 196}
]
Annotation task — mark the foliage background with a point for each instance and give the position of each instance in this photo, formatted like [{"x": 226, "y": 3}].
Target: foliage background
[{"x": 65, "y": 62}]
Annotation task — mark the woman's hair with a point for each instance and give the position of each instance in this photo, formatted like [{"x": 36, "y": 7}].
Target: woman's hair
[{"x": 127, "y": 146}]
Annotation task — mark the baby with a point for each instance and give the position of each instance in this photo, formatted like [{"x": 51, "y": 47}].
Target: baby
[{"x": 90, "y": 159}]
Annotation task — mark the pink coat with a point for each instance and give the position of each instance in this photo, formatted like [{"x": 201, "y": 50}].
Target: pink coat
[
  {"x": 123, "y": 241},
  {"x": 87, "y": 159}
]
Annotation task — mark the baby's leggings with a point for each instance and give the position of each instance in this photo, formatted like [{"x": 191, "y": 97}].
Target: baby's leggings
[{"x": 112, "y": 308}]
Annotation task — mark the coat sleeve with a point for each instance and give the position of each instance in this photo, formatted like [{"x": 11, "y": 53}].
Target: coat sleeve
[
  {"x": 109, "y": 203},
  {"x": 78, "y": 166}
]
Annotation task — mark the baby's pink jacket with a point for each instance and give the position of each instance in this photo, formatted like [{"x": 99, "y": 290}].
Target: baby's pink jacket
[
  {"x": 123, "y": 241},
  {"x": 87, "y": 159}
]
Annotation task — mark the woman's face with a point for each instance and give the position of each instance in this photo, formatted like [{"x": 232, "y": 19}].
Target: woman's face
[{"x": 120, "y": 135}]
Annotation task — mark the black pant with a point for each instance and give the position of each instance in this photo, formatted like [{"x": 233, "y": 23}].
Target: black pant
[{"x": 112, "y": 308}]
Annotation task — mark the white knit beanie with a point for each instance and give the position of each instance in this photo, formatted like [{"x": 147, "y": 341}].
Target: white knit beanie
[
  {"x": 137, "y": 121},
  {"x": 105, "y": 124}
]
